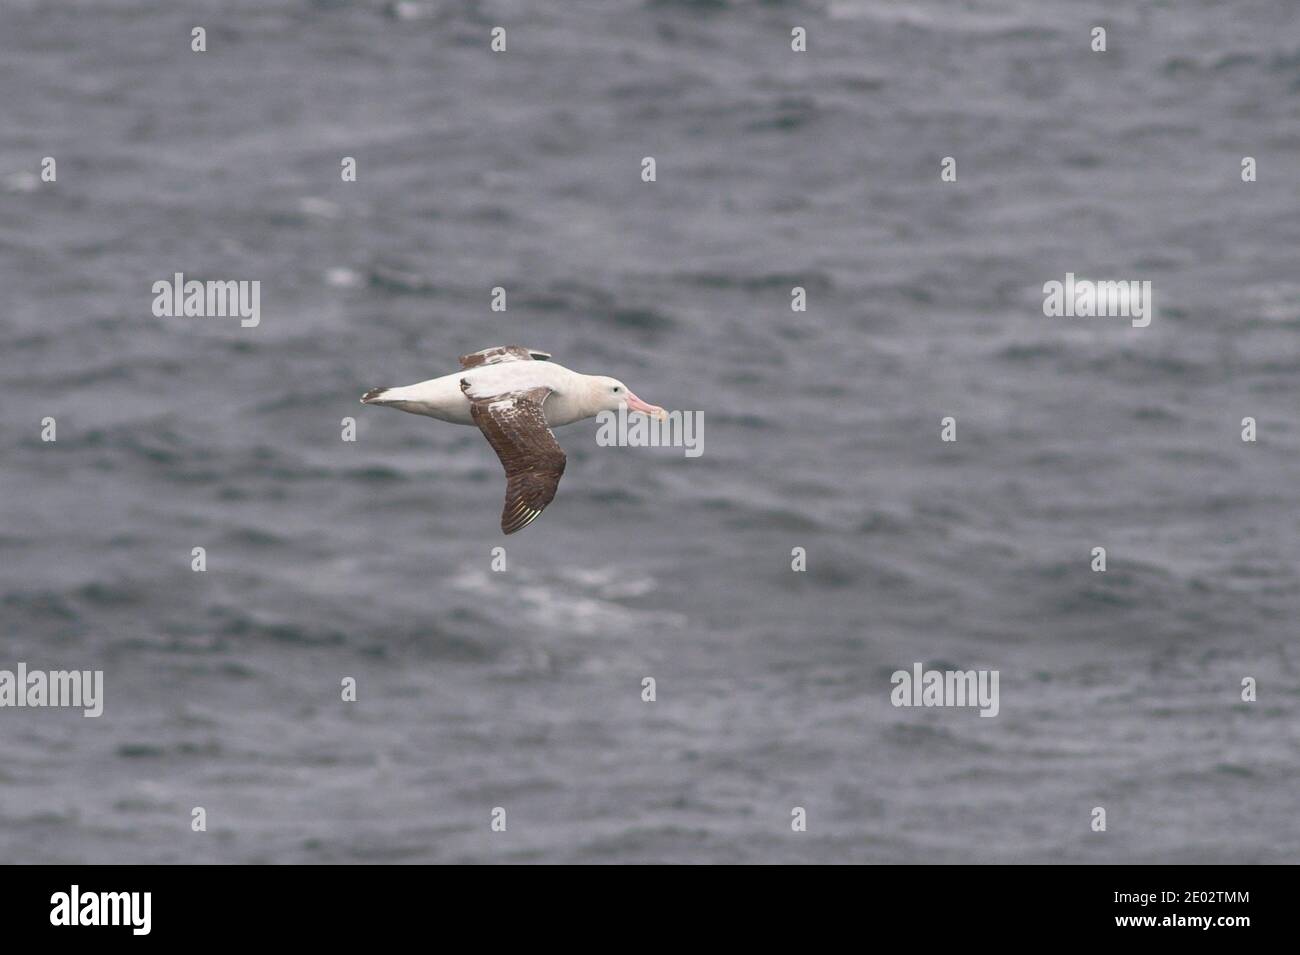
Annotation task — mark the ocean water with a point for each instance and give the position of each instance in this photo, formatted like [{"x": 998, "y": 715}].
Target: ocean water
[{"x": 522, "y": 690}]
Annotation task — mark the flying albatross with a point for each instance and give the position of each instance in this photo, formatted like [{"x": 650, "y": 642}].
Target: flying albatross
[{"x": 516, "y": 395}]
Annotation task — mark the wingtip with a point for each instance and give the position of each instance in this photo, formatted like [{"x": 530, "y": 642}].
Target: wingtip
[
  {"x": 518, "y": 519},
  {"x": 372, "y": 395}
]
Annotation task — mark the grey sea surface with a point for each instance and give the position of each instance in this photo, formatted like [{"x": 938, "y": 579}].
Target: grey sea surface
[{"x": 522, "y": 690}]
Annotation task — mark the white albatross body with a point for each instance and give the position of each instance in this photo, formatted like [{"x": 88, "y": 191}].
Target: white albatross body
[
  {"x": 444, "y": 398},
  {"x": 515, "y": 396}
]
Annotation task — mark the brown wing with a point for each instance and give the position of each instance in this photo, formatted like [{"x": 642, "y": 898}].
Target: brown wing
[
  {"x": 500, "y": 353},
  {"x": 515, "y": 426}
]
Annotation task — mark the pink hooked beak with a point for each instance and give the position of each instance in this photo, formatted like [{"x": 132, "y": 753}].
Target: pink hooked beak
[{"x": 636, "y": 404}]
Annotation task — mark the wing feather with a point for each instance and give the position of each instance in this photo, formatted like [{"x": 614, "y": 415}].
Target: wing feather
[
  {"x": 499, "y": 353},
  {"x": 515, "y": 425}
]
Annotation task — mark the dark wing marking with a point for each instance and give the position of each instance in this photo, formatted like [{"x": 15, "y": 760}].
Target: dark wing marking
[
  {"x": 515, "y": 426},
  {"x": 500, "y": 353}
]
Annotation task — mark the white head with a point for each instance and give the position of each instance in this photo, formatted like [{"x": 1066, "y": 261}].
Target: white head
[{"x": 606, "y": 394}]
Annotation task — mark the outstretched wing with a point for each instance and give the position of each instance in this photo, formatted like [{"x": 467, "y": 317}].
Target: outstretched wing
[
  {"x": 515, "y": 426},
  {"x": 500, "y": 353}
]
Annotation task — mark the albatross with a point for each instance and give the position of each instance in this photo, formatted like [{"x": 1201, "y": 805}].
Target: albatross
[{"x": 515, "y": 396}]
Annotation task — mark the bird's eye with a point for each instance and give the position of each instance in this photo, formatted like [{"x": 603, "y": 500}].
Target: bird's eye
[{"x": 617, "y": 389}]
